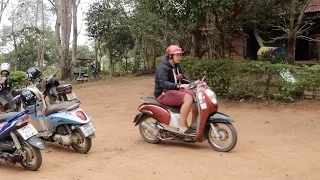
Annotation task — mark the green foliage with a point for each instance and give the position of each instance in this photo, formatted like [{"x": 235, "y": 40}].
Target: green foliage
[
  {"x": 275, "y": 57},
  {"x": 18, "y": 79},
  {"x": 52, "y": 69},
  {"x": 108, "y": 25},
  {"x": 27, "y": 53}
]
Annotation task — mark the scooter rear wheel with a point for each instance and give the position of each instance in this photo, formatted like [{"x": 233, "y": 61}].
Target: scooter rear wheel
[
  {"x": 148, "y": 137},
  {"x": 32, "y": 155},
  {"x": 84, "y": 144}
]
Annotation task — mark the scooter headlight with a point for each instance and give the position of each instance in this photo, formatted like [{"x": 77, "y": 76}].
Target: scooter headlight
[{"x": 212, "y": 96}]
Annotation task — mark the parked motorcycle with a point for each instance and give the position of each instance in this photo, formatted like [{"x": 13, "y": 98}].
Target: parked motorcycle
[
  {"x": 65, "y": 123},
  {"x": 52, "y": 89},
  {"x": 58, "y": 93},
  {"x": 18, "y": 141},
  {"x": 160, "y": 122},
  {"x": 5, "y": 88}
]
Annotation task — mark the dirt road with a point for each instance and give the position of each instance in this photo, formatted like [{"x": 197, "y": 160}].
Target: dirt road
[{"x": 275, "y": 141}]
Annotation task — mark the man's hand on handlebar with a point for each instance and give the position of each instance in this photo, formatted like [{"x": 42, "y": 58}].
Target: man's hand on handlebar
[{"x": 184, "y": 86}]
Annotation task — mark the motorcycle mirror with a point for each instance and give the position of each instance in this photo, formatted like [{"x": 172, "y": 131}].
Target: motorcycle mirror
[
  {"x": 180, "y": 77},
  {"x": 205, "y": 73}
]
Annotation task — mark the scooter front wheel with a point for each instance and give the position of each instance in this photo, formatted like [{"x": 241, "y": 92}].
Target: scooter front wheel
[
  {"x": 146, "y": 132},
  {"x": 226, "y": 139}
]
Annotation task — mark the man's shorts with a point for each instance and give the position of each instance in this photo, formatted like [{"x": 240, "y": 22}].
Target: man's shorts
[{"x": 173, "y": 97}]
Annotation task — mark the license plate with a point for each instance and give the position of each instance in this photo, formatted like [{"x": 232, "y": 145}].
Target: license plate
[
  {"x": 71, "y": 96},
  {"x": 27, "y": 131},
  {"x": 88, "y": 129}
]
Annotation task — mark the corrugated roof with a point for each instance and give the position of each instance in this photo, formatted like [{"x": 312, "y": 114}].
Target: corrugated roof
[
  {"x": 314, "y": 6},
  {"x": 83, "y": 57}
]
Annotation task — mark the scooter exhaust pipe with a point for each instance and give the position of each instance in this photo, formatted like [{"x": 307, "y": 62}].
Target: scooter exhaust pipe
[{"x": 151, "y": 129}]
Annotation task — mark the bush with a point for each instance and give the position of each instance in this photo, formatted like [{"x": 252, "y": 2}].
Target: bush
[{"x": 18, "y": 79}]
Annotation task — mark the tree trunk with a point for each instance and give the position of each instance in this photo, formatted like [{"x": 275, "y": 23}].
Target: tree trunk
[
  {"x": 153, "y": 56},
  {"x": 227, "y": 46},
  {"x": 292, "y": 49},
  {"x": 97, "y": 51},
  {"x": 42, "y": 42},
  {"x": 126, "y": 58},
  {"x": 222, "y": 46},
  {"x": 38, "y": 39},
  {"x": 65, "y": 37},
  {"x": 17, "y": 53},
  {"x": 318, "y": 50},
  {"x": 64, "y": 45},
  {"x": 111, "y": 62},
  {"x": 17, "y": 59},
  {"x": 146, "y": 55},
  {"x": 195, "y": 37},
  {"x": 75, "y": 32},
  {"x": 57, "y": 27}
]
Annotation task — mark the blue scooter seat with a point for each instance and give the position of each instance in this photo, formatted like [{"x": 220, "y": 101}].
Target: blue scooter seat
[
  {"x": 5, "y": 116},
  {"x": 68, "y": 105}
]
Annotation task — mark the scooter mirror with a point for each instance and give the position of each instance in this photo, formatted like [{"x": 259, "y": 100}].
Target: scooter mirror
[
  {"x": 205, "y": 73},
  {"x": 180, "y": 77}
]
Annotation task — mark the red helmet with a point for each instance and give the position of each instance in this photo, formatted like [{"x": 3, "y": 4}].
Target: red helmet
[{"x": 174, "y": 49}]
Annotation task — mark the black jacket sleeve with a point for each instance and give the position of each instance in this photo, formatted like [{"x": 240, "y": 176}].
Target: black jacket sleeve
[{"x": 163, "y": 77}]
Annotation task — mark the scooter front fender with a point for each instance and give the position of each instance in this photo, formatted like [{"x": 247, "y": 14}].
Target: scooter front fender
[{"x": 220, "y": 118}]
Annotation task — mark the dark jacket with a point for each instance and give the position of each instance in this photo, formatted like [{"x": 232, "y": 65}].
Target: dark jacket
[{"x": 164, "y": 77}]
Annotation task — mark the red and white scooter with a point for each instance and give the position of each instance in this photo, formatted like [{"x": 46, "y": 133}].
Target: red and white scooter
[{"x": 160, "y": 122}]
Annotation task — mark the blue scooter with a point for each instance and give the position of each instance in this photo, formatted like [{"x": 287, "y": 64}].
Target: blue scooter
[
  {"x": 18, "y": 141},
  {"x": 65, "y": 123}
]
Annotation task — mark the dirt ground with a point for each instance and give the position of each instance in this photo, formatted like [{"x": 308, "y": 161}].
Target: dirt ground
[{"x": 275, "y": 141}]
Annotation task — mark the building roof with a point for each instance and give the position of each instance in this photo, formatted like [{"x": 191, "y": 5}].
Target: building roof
[
  {"x": 84, "y": 57},
  {"x": 314, "y": 6}
]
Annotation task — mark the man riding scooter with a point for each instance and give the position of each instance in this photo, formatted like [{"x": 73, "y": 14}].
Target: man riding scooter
[{"x": 169, "y": 92}]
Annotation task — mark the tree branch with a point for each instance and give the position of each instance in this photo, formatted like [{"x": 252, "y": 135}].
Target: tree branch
[
  {"x": 308, "y": 38},
  {"x": 277, "y": 27},
  {"x": 78, "y": 3},
  {"x": 301, "y": 14},
  {"x": 52, "y": 3},
  {"x": 273, "y": 39}
]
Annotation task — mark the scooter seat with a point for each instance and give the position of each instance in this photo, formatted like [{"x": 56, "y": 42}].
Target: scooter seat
[
  {"x": 5, "y": 116},
  {"x": 16, "y": 92},
  {"x": 153, "y": 100},
  {"x": 54, "y": 108}
]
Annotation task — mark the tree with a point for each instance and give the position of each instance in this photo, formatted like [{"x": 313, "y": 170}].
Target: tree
[
  {"x": 150, "y": 32},
  {"x": 201, "y": 27},
  {"x": 287, "y": 18},
  {"x": 107, "y": 24},
  {"x": 26, "y": 15},
  {"x": 62, "y": 31},
  {"x": 26, "y": 48}
]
